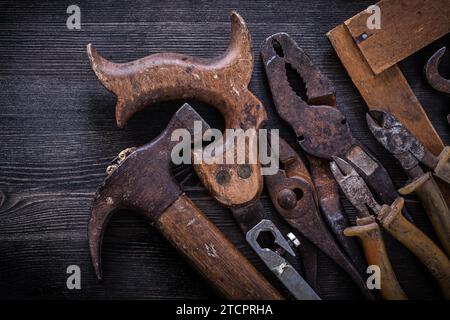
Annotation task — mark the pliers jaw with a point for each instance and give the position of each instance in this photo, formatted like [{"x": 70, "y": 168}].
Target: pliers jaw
[
  {"x": 398, "y": 140},
  {"x": 321, "y": 129},
  {"x": 354, "y": 187},
  {"x": 280, "y": 50}
]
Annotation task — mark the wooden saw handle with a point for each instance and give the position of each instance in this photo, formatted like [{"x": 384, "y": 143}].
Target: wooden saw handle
[
  {"x": 370, "y": 234},
  {"x": 435, "y": 206},
  {"x": 212, "y": 254},
  {"x": 221, "y": 82},
  {"x": 418, "y": 243}
]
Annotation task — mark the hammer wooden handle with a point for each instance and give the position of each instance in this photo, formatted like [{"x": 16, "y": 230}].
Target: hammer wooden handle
[
  {"x": 418, "y": 243},
  {"x": 435, "y": 206},
  {"x": 213, "y": 255},
  {"x": 370, "y": 234}
]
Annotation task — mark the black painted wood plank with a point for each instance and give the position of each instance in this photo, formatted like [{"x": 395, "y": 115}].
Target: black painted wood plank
[{"x": 58, "y": 134}]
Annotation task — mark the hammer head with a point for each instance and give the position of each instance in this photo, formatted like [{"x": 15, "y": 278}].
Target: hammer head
[{"x": 141, "y": 182}]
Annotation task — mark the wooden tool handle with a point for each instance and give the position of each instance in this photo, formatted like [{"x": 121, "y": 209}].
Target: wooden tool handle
[
  {"x": 435, "y": 206},
  {"x": 442, "y": 169},
  {"x": 221, "y": 82},
  {"x": 418, "y": 243},
  {"x": 213, "y": 255},
  {"x": 369, "y": 233}
]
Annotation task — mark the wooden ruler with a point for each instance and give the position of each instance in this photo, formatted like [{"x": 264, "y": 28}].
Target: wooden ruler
[{"x": 406, "y": 26}]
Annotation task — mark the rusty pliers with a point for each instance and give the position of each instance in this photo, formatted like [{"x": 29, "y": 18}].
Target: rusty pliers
[
  {"x": 410, "y": 152},
  {"x": 294, "y": 196},
  {"x": 431, "y": 71},
  {"x": 390, "y": 217},
  {"x": 321, "y": 128}
]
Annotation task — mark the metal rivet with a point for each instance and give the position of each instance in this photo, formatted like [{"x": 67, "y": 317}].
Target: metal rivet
[
  {"x": 125, "y": 153},
  {"x": 293, "y": 240},
  {"x": 244, "y": 171},
  {"x": 362, "y": 37},
  {"x": 287, "y": 199},
  {"x": 111, "y": 168},
  {"x": 222, "y": 177}
]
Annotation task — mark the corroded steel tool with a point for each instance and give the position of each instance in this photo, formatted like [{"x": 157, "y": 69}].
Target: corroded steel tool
[
  {"x": 391, "y": 218},
  {"x": 299, "y": 288},
  {"x": 221, "y": 82},
  {"x": 141, "y": 180},
  {"x": 438, "y": 82},
  {"x": 321, "y": 128},
  {"x": 294, "y": 196},
  {"x": 399, "y": 141}
]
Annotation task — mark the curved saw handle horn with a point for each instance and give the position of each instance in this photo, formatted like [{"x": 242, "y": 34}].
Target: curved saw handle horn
[
  {"x": 370, "y": 234},
  {"x": 418, "y": 243},
  {"x": 221, "y": 82}
]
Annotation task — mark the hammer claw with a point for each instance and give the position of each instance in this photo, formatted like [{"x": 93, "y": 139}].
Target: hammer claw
[{"x": 101, "y": 212}]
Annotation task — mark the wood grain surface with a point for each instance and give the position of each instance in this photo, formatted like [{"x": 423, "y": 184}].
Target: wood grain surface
[
  {"x": 406, "y": 27},
  {"x": 58, "y": 134}
]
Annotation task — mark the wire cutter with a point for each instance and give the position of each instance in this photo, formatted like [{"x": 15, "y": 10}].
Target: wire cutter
[
  {"x": 392, "y": 220},
  {"x": 410, "y": 152}
]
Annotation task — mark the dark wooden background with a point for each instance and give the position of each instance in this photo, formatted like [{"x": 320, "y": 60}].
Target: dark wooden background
[{"x": 58, "y": 134}]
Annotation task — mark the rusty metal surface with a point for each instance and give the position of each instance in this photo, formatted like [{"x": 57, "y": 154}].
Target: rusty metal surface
[
  {"x": 354, "y": 188},
  {"x": 291, "y": 279},
  {"x": 399, "y": 141},
  {"x": 308, "y": 254},
  {"x": 390, "y": 217},
  {"x": 321, "y": 128},
  {"x": 248, "y": 216},
  {"x": 431, "y": 71},
  {"x": 142, "y": 181},
  {"x": 294, "y": 196},
  {"x": 437, "y": 81},
  {"x": 332, "y": 210},
  {"x": 320, "y": 92}
]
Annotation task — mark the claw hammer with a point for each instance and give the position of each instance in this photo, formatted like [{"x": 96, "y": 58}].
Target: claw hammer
[
  {"x": 221, "y": 82},
  {"x": 142, "y": 182}
]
